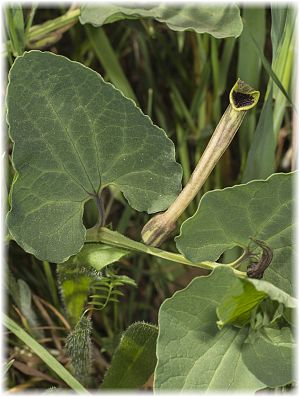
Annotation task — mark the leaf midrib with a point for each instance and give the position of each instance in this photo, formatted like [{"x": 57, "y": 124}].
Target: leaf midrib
[{"x": 65, "y": 129}]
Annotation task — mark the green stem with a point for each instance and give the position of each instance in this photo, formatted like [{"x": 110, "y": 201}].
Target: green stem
[
  {"x": 39, "y": 31},
  {"x": 30, "y": 20},
  {"x": 37, "y": 34},
  {"x": 51, "y": 283},
  {"x": 116, "y": 239},
  {"x": 183, "y": 153},
  {"x": 246, "y": 254}
]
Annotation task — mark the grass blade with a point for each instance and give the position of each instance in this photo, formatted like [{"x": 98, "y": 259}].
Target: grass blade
[
  {"x": 249, "y": 69},
  {"x": 40, "y": 351},
  {"x": 7, "y": 365},
  {"x": 225, "y": 63},
  {"x": 106, "y": 55},
  {"x": 15, "y": 27},
  {"x": 267, "y": 66},
  {"x": 261, "y": 157}
]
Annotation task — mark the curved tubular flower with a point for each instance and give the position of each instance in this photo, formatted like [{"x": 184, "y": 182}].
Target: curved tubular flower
[{"x": 242, "y": 98}]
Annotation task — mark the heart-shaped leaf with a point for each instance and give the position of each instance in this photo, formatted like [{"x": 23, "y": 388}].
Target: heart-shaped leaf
[
  {"x": 231, "y": 217},
  {"x": 193, "y": 354},
  {"x": 73, "y": 135},
  {"x": 220, "y": 21}
]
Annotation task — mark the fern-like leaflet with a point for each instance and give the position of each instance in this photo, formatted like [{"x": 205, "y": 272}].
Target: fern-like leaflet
[{"x": 107, "y": 289}]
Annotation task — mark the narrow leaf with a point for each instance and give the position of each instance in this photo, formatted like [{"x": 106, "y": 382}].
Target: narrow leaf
[
  {"x": 268, "y": 67},
  {"x": 106, "y": 55},
  {"x": 6, "y": 366},
  {"x": 249, "y": 67},
  {"x": 15, "y": 27},
  {"x": 261, "y": 156}
]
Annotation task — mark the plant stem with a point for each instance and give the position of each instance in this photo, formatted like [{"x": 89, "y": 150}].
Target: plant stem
[
  {"x": 39, "y": 31},
  {"x": 245, "y": 255},
  {"x": 30, "y": 20},
  {"x": 51, "y": 283},
  {"x": 116, "y": 239},
  {"x": 242, "y": 98}
]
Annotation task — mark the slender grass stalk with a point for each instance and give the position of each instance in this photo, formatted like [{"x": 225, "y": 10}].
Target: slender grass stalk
[
  {"x": 30, "y": 19},
  {"x": 15, "y": 27},
  {"x": 51, "y": 282},
  {"x": 183, "y": 153},
  {"x": 242, "y": 98},
  {"x": 40, "y": 351},
  {"x": 109, "y": 60},
  {"x": 150, "y": 102}
]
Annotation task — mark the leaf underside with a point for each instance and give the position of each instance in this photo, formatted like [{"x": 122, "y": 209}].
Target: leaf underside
[
  {"x": 73, "y": 135},
  {"x": 229, "y": 217},
  {"x": 221, "y": 21}
]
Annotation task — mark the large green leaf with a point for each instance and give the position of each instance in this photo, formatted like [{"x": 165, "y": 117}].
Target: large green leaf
[
  {"x": 73, "y": 135},
  {"x": 134, "y": 360},
  {"x": 268, "y": 354},
  {"x": 229, "y": 217},
  {"x": 193, "y": 354},
  {"x": 220, "y": 21}
]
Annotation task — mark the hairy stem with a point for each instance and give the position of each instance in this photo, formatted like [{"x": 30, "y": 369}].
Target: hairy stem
[
  {"x": 242, "y": 98},
  {"x": 116, "y": 239}
]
